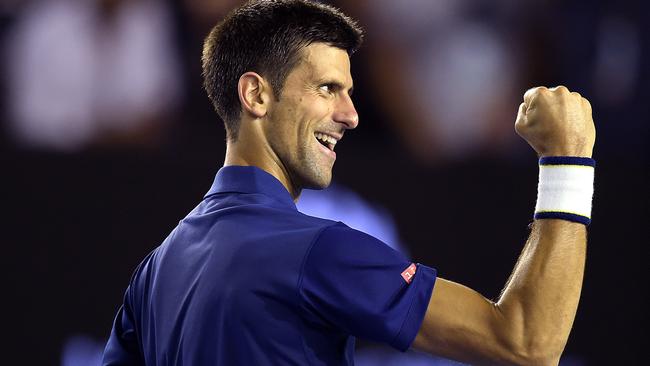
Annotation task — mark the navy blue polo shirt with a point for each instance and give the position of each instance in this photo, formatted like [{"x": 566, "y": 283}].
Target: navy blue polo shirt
[{"x": 246, "y": 279}]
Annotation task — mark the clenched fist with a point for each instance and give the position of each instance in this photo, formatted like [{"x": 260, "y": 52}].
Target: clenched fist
[{"x": 556, "y": 122}]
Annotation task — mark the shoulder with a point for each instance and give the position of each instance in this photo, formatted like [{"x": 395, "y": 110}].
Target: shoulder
[
  {"x": 339, "y": 246},
  {"x": 338, "y": 230},
  {"x": 340, "y": 239},
  {"x": 316, "y": 221}
]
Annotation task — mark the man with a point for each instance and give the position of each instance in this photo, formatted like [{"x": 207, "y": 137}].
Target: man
[{"x": 245, "y": 279}]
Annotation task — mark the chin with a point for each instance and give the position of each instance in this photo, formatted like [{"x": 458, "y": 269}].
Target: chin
[
  {"x": 318, "y": 181},
  {"x": 310, "y": 173},
  {"x": 318, "y": 185}
]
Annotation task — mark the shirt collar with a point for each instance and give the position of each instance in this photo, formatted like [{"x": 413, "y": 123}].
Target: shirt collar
[{"x": 250, "y": 179}]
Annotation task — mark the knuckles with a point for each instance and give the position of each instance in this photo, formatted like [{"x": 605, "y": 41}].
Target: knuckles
[
  {"x": 556, "y": 96},
  {"x": 561, "y": 89}
]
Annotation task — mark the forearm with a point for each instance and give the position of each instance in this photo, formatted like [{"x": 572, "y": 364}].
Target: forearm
[
  {"x": 530, "y": 323},
  {"x": 539, "y": 302}
]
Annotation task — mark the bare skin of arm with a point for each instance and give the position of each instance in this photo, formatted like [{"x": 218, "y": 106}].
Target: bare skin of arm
[{"x": 531, "y": 321}]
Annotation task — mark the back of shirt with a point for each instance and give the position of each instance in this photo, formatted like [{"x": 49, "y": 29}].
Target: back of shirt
[
  {"x": 245, "y": 279},
  {"x": 222, "y": 288}
]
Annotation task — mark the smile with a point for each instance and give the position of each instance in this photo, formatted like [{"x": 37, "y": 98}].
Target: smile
[{"x": 326, "y": 140}]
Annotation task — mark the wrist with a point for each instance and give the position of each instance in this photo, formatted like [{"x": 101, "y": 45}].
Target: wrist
[{"x": 578, "y": 151}]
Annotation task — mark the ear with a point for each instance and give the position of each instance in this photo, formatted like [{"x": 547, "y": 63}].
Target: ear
[{"x": 254, "y": 94}]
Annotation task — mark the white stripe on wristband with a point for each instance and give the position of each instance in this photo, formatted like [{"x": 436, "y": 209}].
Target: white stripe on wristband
[{"x": 566, "y": 187}]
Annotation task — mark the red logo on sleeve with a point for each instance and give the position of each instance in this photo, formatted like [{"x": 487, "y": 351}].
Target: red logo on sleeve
[{"x": 408, "y": 273}]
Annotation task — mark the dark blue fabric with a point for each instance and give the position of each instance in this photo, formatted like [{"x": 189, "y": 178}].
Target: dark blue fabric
[
  {"x": 563, "y": 216},
  {"x": 567, "y": 160},
  {"x": 246, "y": 279}
]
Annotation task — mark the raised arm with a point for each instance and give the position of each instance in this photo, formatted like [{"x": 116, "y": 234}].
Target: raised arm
[{"x": 531, "y": 321}]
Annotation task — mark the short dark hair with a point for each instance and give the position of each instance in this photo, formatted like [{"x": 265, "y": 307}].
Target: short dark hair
[{"x": 267, "y": 36}]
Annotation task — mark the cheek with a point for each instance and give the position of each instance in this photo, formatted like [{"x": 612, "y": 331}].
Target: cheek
[
  {"x": 298, "y": 122},
  {"x": 324, "y": 109},
  {"x": 320, "y": 111}
]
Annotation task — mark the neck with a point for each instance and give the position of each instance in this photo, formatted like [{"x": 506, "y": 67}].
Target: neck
[{"x": 245, "y": 152}]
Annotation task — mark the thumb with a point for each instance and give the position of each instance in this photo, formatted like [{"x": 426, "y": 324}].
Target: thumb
[{"x": 520, "y": 121}]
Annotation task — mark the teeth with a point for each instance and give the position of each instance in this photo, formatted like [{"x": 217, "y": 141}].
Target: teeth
[{"x": 325, "y": 138}]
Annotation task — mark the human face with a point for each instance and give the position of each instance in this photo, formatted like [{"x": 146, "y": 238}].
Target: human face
[{"x": 311, "y": 116}]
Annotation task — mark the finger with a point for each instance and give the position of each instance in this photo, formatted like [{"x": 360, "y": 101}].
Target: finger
[
  {"x": 522, "y": 110},
  {"x": 586, "y": 105},
  {"x": 560, "y": 88},
  {"x": 531, "y": 94},
  {"x": 520, "y": 121}
]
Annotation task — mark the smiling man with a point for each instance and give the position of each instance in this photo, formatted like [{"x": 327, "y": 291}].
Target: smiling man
[
  {"x": 293, "y": 136},
  {"x": 246, "y": 279}
]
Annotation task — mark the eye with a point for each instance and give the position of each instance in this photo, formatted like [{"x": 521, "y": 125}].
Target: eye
[{"x": 328, "y": 88}]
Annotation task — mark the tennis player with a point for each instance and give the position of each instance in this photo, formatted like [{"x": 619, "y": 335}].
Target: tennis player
[{"x": 246, "y": 279}]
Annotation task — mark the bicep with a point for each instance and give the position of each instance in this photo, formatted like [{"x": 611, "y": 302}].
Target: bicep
[{"x": 463, "y": 325}]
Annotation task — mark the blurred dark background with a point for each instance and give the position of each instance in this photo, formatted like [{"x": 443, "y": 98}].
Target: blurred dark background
[{"x": 108, "y": 140}]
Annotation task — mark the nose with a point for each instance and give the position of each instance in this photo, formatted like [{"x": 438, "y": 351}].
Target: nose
[{"x": 345, "y": 113}]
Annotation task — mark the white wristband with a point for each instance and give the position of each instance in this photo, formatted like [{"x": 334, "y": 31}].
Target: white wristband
[{"x": 565, "y": 190}]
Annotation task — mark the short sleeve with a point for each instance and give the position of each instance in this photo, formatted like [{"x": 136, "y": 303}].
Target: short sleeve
[
  {"x": 122, "y": 347},
  {"x": 358, "y": 284}
]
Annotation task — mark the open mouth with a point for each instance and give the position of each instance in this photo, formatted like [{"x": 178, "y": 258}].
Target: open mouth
[{"x": 326, "y": 140}]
